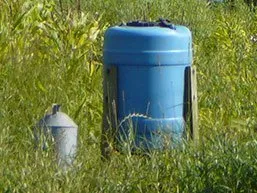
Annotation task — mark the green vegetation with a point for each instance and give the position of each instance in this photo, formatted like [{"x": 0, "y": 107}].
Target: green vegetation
[{"x": 50, "y": 52}]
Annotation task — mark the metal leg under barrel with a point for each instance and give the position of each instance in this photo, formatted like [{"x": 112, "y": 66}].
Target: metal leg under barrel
[
  {"x": 191, "y": 105},
  {"x": 110, "y": 111}
]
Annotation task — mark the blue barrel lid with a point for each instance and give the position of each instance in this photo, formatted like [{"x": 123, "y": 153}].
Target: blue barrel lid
[
  {"x": 57, "y": 119},
  {"x": 148, "y": 43},
  {"x": 161, "y": 23}
]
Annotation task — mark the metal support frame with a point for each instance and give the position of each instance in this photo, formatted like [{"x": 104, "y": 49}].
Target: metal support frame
[
  {"x": 190, "y": 104},
  {"x": 110, "y": 111}
]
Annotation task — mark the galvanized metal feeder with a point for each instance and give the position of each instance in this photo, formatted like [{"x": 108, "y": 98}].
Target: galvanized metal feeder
[
  {"x": 149, "y": 86},
  {"x": 62, "y": 129}
]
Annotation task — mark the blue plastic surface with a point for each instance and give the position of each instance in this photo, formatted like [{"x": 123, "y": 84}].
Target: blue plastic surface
[{"x": 151, "y": 64}]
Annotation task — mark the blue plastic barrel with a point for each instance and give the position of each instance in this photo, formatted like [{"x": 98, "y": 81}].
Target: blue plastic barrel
[{"x": 150, "y": 59}]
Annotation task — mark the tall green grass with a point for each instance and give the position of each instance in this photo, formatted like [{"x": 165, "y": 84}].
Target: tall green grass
[{"x": 53, "y": 54}]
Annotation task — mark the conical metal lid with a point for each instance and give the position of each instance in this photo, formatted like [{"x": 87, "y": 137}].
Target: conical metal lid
[{"x": 57, "y": 119}]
